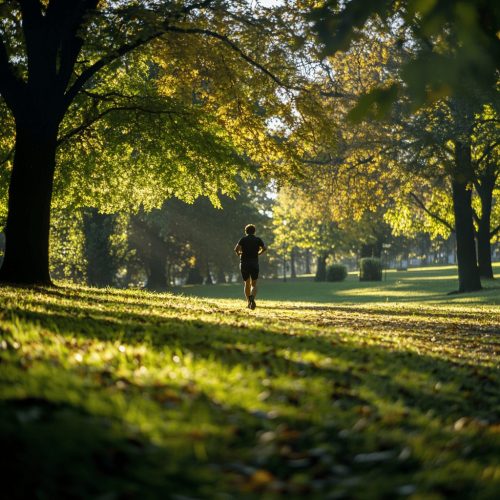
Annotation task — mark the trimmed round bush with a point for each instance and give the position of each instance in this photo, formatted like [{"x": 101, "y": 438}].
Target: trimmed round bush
[
  {"x": 370, "y": 269},
  {"x": 336, "y": 272}
]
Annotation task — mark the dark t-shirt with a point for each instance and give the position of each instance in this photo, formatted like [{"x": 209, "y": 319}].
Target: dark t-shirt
[{"x": 250, "y": 245}]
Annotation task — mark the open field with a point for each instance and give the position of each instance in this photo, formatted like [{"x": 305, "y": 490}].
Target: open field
[
  {"x": 126, "y": 394},
  {"x": 421, "y": 284}
]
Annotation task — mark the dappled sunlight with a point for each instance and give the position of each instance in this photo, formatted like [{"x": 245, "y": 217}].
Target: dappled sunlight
[
  {"x": 210, "y": 215},
  {"x": 245, "y": 395}
]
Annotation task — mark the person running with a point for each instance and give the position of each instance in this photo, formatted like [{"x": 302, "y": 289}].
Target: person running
[{"x": 249, "y": 248}]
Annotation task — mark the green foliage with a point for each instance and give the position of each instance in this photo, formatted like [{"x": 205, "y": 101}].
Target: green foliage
[
  {"x": 147, "y": 148},
  {"x": 370, "y": 269},
  {"x": 336, "y": 272},
  {"x": 181, "y": 115},
  {"x": 199, "y": 233},
  {"x": 129, "y": 394},
  {"x": 451, "y": 46},
  {"x": 67, "y": 246}
]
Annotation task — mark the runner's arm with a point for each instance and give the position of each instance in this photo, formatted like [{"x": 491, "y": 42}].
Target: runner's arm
[
  {"x": 262, "y": 249},
  {"x": 238, "y": 249}
]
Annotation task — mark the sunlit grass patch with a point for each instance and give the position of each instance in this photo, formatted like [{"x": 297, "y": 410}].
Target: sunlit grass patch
[
  {"x": 129, "y": 393},
  {"x": 426, "y": 285}
]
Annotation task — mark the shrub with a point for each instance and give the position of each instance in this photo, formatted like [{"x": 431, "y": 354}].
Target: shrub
[
  {"x": 370, "y": 269},
  {"x": 336, "y": 272}
]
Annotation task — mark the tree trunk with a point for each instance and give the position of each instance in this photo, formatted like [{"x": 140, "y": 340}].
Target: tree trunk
[
  {"x": 26, "y": 258},
  {"x": 194, "y": 276},
  {"x": 308, "y": 261},
  {"x": 484, "y": 250},
  {"x": 293, "y": 271},
  {"x": 468, "y": 270},
  {"x": 101, "y": 266},
  {"x": 157, "y": 274},
  {"x": 485, "y": 189},
  {"x": 321, "y": 267},
  {"x": 208, "y": 276},
  {"x": 221, "y": 277}
]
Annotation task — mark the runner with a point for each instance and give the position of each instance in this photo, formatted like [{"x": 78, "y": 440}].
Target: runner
[{"x": 249, "y": 248}]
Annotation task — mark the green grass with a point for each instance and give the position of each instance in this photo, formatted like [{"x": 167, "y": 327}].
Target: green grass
[
  {"x": 128, "y": 394},
  {"x": 425, "y": 284}
]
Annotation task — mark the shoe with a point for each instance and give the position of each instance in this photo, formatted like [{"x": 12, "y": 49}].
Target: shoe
[{"x": 252, "y": 303}]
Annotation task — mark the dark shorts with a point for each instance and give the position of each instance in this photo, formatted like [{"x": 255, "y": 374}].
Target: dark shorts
[{"x": 249, "y": 270}]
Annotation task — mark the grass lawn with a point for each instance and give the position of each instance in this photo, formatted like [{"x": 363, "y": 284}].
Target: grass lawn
[
  {"x": 424, "y": 284},
  {"x": 345, "y": 390}
]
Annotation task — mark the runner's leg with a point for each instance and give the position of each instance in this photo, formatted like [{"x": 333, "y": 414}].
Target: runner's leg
[
  {"x": 253, "y": 290},
  {"x": 248, "y": 285}
]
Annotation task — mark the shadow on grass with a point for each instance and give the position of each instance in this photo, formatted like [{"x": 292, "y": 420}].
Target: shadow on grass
[
  {"x": 106, "y": 457},
  {"x": 353, "y": 316},
  {"x": 259, "y": 348}
]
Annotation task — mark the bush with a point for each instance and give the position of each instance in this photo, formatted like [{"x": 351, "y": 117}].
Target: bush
[
  {"x": 336, "y": 272},
  {"x": 370, "y": 269}
]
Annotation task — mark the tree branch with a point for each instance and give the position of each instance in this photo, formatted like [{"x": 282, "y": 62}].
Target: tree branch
[
  {"x": 89, "y": 72},
  {"x": 31, "y": 11},
  {"x": 77, "y": 130},
  {"x": 70, "y": 42},
  {"x": 8, "y": 156},
  {"x": 435, "y": 216},
  {"x": 226, "y": 40},
  {"x": 487, "y": 151}
]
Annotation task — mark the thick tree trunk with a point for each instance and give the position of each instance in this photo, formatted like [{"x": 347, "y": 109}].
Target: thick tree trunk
[
  {"x": 468, "y": 270},
  {"x": 484, "y": 250},
  {"x": 321, "y": 267},
  {"x": 26, "y": 258},
  {"x": 366, "y": 251},
  {"x": 485, "y": 191}
]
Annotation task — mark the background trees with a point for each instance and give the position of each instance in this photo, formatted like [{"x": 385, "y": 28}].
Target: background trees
[
  {"x": 140, "y": 104},
  {"x": 435, "y": 70}
]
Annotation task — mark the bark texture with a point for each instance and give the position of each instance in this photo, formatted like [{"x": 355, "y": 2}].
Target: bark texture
[
  {"x": 26, "y": 258},
  {"x": 468, "y": 270}
]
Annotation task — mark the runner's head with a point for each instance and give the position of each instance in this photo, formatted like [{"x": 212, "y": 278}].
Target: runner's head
[{"x": 250, "y": 229}]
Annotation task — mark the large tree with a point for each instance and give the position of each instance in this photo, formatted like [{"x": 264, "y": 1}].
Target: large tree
[
  {"x": 406, "y": 135},
  {"x": 59, "y": 62},
  {"x": 424, "y": 200}
]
